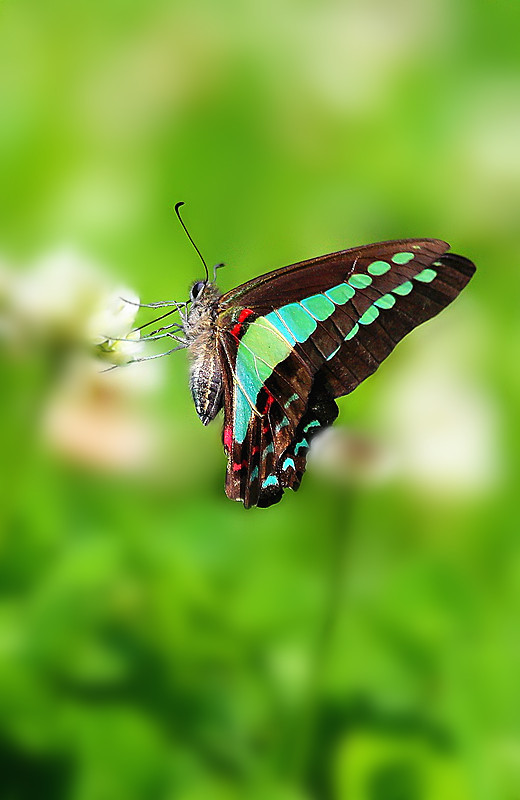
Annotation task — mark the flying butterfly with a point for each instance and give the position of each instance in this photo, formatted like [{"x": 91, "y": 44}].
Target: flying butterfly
[{"x": 276, "y": 351}]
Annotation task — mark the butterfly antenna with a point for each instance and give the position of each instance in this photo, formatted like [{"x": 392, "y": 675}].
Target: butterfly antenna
[
  {"x": 215, "y": 268},
  {"x": 177, "y": 206}
]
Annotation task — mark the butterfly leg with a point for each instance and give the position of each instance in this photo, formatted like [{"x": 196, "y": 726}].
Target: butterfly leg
[
  {"x": 158, "y": 355},
  {"x": 173, "y": 304},
  {"x": 160, "y": 304},
  {"x": 157, "y": 319},
  {"x": 150, "y": 338},
  {"x": 177, "y": 328}
]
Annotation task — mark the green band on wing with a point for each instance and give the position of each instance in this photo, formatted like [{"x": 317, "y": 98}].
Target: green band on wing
[
  {"x": 300, "y": 446},
  {"x": 282, "y": 329},
  {"x": 360, "y": 281},
  {"x": 248, "y": 373},
  {"x": 298, "y": 320},
  {"x": 331, "y": 355},
  {"x": 242, "y": 415},
  {"x": 426, "y": 276},
  {"x": 291, "y": 399},
  {"x": 313, "y": 424},
  {"x": 402, "y": 258},
  {"x": 369, "y": 316},
  {"x": 404, "y": 289},
  {"x": 261, "y": 348},
  {"x": 352, "y": 332},
  {"x": 319, "y": 306},
  {"x": 378, "y": 267},
  {"x": 386, "y": 301},
  {"x": 264, "y": 338},
  {"x": 340, "y": 294}
]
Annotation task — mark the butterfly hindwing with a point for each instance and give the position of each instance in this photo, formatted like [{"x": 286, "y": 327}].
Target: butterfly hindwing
[
  {"x": 257, "y": 433},
  {"x": 293, "y": 340}
]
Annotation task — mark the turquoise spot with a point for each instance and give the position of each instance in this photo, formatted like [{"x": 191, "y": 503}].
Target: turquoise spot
[
  {"x": 386, "y": 301},
  {"x": 352, "y": 333},
  {"x": 291, "y": 399},
  {"x": 282, "y": 424},
  {"x": 378, "y": 267},
  {"x": 340, "y": 294},
  {"x": 319, "y": 306},
  {"x": 288, "y": 463},
  {"x": 313, "y": 424},
  {"x": 404, "y": 288},
  {"x": 284, "y": 331},
  {"x": 300, "y": 446},
  {"x": 402, "y": 258},
  {"x": 268, "y": 449},
  {"x": 298, "y": 320},
  {"x": 271, "y": 480},
  {"x": 369, "y": 316},
  {"x": 334, "y": 352},
  {"x": 254, "y": 474},
  {"x": 359, "y": 281},
  {"x": 426, "y": 276}
]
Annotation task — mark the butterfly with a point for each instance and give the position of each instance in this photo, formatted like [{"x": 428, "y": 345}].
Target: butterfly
[{"x": 276, "y": 351}]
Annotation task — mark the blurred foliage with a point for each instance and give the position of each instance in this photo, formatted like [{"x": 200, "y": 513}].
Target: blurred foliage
[{"x": 360, "y": 639}]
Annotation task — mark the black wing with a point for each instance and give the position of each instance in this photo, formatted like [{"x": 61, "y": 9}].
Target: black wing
[{"x": 293, "y": 340}]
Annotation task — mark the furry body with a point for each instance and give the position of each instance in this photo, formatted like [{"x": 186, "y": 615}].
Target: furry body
[{"x": 205, "y": 371}]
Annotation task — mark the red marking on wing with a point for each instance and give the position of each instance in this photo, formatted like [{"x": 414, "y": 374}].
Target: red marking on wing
[
  {"x": 269, "y": 402},
  {"x": 228, "y": 437},
  {"x": 244, "y": 314}
]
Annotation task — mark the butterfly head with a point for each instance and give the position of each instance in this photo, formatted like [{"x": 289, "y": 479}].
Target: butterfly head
[
  {"x": 197, "y": 291},
  {"x": 204, "y": 296}
]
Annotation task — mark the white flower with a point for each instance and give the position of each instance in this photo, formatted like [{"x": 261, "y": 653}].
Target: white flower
[
  {"x": 58, "y": 294},
  {"x": 65, "y": 297},
  {"x": 114, "y": 317},
  {"x": 110, "y": 326}
]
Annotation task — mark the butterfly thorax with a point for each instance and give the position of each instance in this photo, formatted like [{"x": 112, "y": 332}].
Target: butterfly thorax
[{"x": 205, "y": 371}]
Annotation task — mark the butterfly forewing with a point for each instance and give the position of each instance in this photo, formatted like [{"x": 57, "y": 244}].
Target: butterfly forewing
[
  {"x": 315, "y": 275},
  {"x": 294, "y": 339}
]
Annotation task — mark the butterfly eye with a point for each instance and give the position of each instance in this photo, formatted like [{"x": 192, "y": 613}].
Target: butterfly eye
[{"x": 197, "y": 289}]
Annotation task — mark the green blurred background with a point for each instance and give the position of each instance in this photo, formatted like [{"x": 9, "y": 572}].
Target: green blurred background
[{"x": 361, "y": 639}]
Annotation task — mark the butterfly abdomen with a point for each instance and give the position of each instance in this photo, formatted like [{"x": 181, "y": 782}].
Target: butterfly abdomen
[
  {"x": 206, "y": 379},
  {"x": 205, "y": 369}
]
